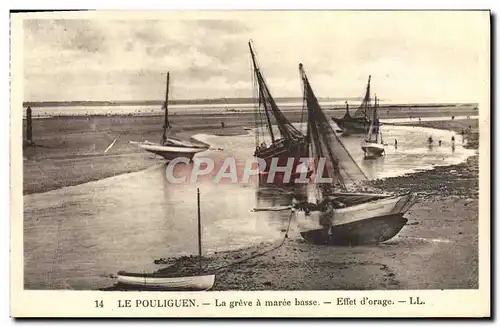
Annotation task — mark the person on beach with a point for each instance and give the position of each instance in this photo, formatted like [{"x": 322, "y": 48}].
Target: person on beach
[
  {"x": 222, "y": 125},
  {"x": 439, "y": 142},
  {"x": 429, "y": 140},
  {"x": 395, "y": 143}
]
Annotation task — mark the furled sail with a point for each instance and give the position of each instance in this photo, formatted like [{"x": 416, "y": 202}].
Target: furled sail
[
  {"x": 366, "y": 109},
  {"x": 338, "y": 162},
  {"x": 269, "y": 113}
]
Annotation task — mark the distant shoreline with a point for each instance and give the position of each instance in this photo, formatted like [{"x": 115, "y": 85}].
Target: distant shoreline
[
  {"x": 172, "y": 102},
  {"x": 221, "y": 101}
]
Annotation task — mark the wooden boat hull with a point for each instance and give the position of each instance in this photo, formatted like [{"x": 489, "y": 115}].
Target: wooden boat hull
[
  {"x": 366, "y": 231},
  {"x": 352, "y": 125},
  {"x": 281, "y": 153},
  {"x": 170, "y": 152},
  {"x": 189, "y": 283},
  {"x": 358, "y": 214},
  {"x": 372, "y": 149},
  {"x": 380, "y": 207}
]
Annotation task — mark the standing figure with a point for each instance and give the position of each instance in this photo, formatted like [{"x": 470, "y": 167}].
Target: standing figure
[{"x": 395, "y": 143}]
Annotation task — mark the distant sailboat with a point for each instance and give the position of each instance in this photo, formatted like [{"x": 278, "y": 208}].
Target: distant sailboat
[
  {"x": 359, "y": 122},
  {"x": 187, "y": 279},
  {"x": 170, "y": 147},
  {"x": 373, "y": 145},
  {"x": 291, "y": 144}
]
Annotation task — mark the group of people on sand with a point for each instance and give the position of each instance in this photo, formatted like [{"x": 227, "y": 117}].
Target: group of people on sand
[{"x": 430, "y": 141}]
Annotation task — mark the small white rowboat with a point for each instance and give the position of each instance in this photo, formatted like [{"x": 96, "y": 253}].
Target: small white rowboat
[
  {"x": 372, "y": 149},
  {"x": 181, "y": 283}
]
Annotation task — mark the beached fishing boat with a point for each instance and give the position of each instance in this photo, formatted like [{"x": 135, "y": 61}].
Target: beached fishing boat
[
  {"x": 170, "y": 147},
  {"x": 373, "y": 144},
  {"x": 290, "y": 143},
  {"x": 360, "y": 121},
  {"x": 173, "y": 278},
  {"x": 332, "y": 213},
  {"x": 370, "y": 217}
]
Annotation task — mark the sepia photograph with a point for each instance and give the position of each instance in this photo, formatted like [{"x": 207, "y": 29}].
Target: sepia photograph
[{"x": 172, "y": 153}]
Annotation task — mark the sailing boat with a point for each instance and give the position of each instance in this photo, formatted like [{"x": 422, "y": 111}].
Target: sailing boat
[
  {"x": 359, "y": 122},
  {"x": 290, "y": 144},
  {"x": 197, "y": 280},
  {"x": 373, "y": 145},
  {"x": 170, "y": 147},
  {"x": 344, "y": 217}
]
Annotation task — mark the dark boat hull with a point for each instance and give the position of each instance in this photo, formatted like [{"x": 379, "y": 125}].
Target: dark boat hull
[
  {"x": 353, "y": 125},
  {"x": 367, "y": 231},
  {"x": 281, "y": 152}
]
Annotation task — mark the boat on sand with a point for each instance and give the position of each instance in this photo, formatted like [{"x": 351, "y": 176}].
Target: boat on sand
[
  {"x": 171, "y": 147},
  {"x": 173, "y": 278},
  {"x": 290, "y": 144},
  {"x": 360, "y": 120},
  {"x": 373, "y": 144}
]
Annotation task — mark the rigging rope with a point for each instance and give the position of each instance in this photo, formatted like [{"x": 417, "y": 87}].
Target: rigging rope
[{"x": 261, "y": 253}]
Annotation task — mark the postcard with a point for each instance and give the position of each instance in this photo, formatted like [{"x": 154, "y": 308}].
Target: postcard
[{"x": 250, "y": 164}]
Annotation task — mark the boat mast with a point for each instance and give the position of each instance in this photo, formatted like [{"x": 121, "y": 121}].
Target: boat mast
[
  {"x": 379, "y": 130},
  {"x": 261, "y": 93},
  {"x": 199, "y": 228},
  {"x": 166, "y": 124},
  {"x": 366, "y": 100}
]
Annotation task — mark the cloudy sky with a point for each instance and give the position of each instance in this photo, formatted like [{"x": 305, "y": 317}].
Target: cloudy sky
[{"x": 416, "y": 56}]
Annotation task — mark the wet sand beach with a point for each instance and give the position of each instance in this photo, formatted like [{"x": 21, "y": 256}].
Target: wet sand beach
[{"x": 438, "y": 248}]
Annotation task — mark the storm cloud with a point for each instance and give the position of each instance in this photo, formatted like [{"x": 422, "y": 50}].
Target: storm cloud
[{"x": 422, "y": 57}]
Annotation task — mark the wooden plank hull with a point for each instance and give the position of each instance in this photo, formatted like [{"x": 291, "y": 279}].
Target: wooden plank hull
[
  {"x": 376, "y": 208},
  {"x": 361, "y": 232},
  {"x": 378, "y": 220},
  {"x": 188, "y": 283}
]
